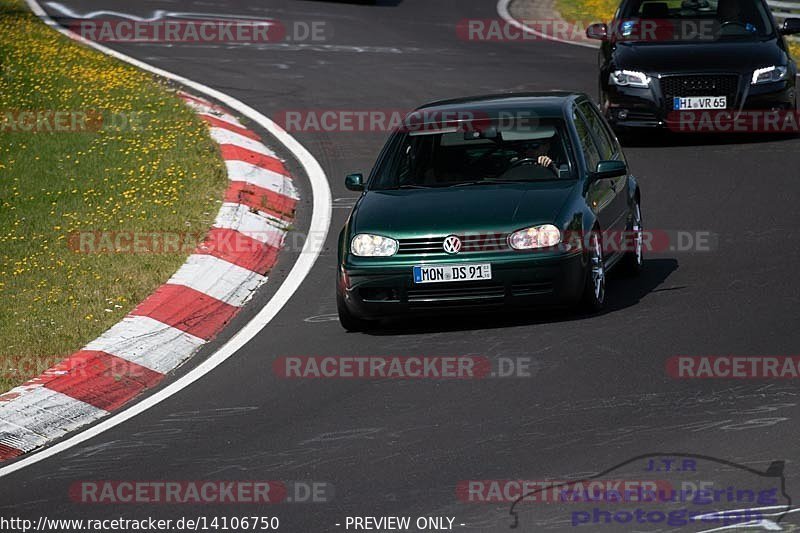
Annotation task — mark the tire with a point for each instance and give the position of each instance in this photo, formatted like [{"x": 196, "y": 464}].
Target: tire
[
  {"x": 348, "y": 321},
  {"x": 631, "y": 263},
  {"x": 594, "y": 290}
]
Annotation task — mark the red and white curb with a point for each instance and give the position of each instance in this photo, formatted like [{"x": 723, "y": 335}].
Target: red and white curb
[{"x": 182, "y": 315}]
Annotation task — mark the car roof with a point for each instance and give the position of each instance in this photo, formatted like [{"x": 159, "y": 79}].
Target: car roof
[{"x": 543, "y": 104}]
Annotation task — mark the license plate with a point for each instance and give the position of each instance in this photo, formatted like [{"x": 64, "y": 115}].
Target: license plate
[
  {"x": 700, "y": 102},
  {"x": 445, "y": 273}
]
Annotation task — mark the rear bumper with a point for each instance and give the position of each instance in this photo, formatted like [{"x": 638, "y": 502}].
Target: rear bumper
[{"x": 376, "y": 292}]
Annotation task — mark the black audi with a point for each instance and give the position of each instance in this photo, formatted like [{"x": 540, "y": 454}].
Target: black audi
[{"x": 660, "y": 58}]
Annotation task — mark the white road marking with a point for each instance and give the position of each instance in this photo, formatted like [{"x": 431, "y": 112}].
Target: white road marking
[
  {"x": 261, "y": 177},
  {"x": 201, "y": 109},
  {"x": 218, "y": 278},
  {"x": 320, "y": 224},
  {"x": 221, "y": 116},
  {"x": 322, "y": 318},
  {"x": 147, "y": 342},
  {"x": 262, "y": 228},
  {"x": 39, "y": 415},
  {"x": 223, "y": 136}
]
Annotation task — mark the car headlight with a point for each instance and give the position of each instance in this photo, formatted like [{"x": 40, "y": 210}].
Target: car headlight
[
  {"x": 366, "y": 245},
  {"x": 629, "y": 78},
  {"x": 536, "y": 237},
  {"x": 769, "y": 74}
]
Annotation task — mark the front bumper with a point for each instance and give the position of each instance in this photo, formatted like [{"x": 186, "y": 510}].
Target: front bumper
[
  {"x": 371, "y": 290},
  {"x": 632, "y": 107}
]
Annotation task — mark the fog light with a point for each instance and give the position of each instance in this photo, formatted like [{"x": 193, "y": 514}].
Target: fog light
[
  {"x": 379, "y": 294},
  {"x": 622, "y": 114}
]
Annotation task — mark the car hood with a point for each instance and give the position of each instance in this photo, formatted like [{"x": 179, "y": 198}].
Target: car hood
[
  {"x": 720, "y": 56},
  {"x": 410, "y": 213}
]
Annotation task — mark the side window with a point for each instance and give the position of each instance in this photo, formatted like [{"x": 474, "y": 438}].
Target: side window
[
  {"x": 586, "y": 141},
  {"x": 606, "y": 143}
]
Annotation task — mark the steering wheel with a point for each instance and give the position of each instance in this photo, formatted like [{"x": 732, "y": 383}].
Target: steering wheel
[
  {"x": 524, "y": 161},
  {"x": 733, "y": 23}
]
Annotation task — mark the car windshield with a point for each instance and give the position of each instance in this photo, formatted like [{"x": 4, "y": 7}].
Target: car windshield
[
  {"x": 472, "y": 156},
  {"x": 690, "y": 20}
]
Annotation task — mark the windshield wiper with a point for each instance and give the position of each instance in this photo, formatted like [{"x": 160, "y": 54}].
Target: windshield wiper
[
  {"x": 412, "y": 186},
  {"x": 484, "y": 182}
]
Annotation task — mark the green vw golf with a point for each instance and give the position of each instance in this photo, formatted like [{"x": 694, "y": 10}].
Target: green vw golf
[{"x": 495, "y": 201}]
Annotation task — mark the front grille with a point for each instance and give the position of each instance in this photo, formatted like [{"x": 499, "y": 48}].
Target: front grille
[
  {"x": 421, "y": 246},
  {"x": 456, "y": 295},
  {"x": 699, "y": 85},
  {"x": 490, "y": 242}
]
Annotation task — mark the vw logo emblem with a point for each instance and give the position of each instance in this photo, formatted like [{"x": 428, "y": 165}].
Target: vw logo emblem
[{"x": 452, "y": 244}]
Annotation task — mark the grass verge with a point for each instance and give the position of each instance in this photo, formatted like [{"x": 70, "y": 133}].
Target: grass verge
[
  {"x": 150, "y": 166},
  {"x": 587, "y": 11}
]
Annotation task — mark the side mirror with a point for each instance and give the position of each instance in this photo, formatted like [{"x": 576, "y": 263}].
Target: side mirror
[
  {"x": 609, "y": 169},
  {"x": 597, "y": 31},
  {"x": 354, "y": 182},
  {"x": 790, "y": 26}
]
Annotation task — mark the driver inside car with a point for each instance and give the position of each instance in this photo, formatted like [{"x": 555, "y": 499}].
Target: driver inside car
[
  {"x": 540, "y": 153},
  {"x": 732, "y": 12}
]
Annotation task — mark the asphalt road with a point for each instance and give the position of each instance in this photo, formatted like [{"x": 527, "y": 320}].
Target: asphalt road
[{"x": 598, "y": 393}]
